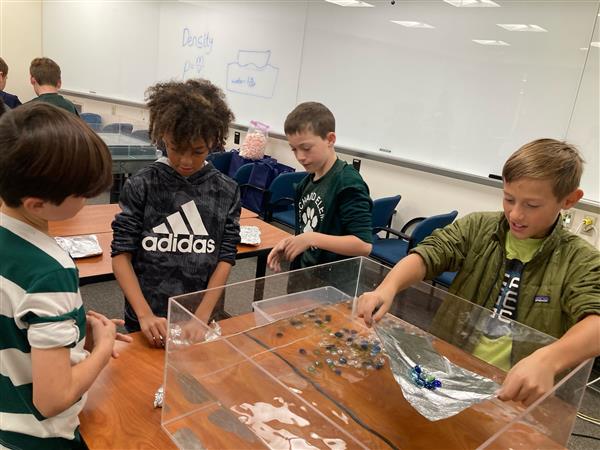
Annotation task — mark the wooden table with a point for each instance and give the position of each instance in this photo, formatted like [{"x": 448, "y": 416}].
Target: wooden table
[
  {"x": 119, "y": 412},
  {"x": 97, "y": 219},
  {"x": 94, "y": 219}
]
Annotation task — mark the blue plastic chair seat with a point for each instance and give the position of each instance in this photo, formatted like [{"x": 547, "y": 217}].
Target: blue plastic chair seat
[
  {"x": 287, "y": 217},
  {"x": 445, "y": 279},
  {"x": 389, "y": 250}
]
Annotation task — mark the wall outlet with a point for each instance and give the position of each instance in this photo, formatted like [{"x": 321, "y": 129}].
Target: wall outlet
[
  {"x": 567, "y": 219},
  {"x": 587, "y": 224},
  {"x": 236, "y": 137},
  {"x": 356, "y": 164}
]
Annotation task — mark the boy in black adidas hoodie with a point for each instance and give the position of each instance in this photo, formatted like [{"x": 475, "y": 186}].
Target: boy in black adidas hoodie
[{"x": 179, "y": 227}]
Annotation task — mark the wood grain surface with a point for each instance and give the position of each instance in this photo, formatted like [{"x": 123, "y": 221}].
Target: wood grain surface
[{"x": 213, "y": 387}]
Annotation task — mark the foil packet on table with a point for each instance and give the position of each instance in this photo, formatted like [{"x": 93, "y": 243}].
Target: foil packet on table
[
  {"x": 456, "y": 388},
  {"x": 80, "y": 246},
  {"x": 250, "y": 235}
]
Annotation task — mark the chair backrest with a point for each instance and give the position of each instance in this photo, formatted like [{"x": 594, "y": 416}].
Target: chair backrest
[
  {"x": 284, "y": 185},
  {"x": 242, "y": 175},
  {"x": 383, "y": 209},
  {"x": 142, "y": 134},
  {"x": 91, "y": 117},
  {"x": 220, "y": 160},
  {"x": 118, "y": 128},
  {"x": 428, "y": 225}
]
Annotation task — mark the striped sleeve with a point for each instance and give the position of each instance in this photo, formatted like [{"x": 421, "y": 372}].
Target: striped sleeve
[{"x": 52, "y": 311}]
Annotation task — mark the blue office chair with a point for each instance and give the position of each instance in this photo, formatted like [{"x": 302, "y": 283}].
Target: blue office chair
[
  {"x": 220, "y": 160},
  {"x": 383, "y": 211},
  {"x": 91, "y": 117},
  {"x": 124, "y": 128},
  {"x": 242, "y": 175},
  {"x": 390, "y": 251},
  {"x": 144, "y": 135},
  {"x": 445, "y": 279},
  {"x": 279, "y": 205}
]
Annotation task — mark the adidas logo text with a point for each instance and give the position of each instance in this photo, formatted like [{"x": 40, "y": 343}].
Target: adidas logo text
[
  {"x": 170, "y": 243},
  {"x": 179, "y": 235}
]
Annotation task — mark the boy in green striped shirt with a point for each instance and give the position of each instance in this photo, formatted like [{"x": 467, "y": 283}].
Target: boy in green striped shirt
[{"x": 49, "y": 164}]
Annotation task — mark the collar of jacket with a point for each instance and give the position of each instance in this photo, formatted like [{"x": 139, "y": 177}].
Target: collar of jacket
[
  {"x": 547, "y": 247},
  {"x": 198, "y": 177}
]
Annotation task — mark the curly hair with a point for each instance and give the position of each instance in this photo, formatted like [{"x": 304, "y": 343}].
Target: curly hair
[{"x": 188, "y": 111}]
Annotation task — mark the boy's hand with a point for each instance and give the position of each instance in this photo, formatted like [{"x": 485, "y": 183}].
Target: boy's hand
[
  {"x": 89, "y": 337},
  {"x": 368, "y": 303},
  {"x": 529, "y": 379},
  {"x": 155, "y": 329},
  {"x": 274, "y": 258},
  {"x": 298, "y": 244},
  {"x": 102, "y": 332}
]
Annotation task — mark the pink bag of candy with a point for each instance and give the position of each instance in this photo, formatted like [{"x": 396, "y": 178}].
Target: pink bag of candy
[{"x": 255, "y": 141}]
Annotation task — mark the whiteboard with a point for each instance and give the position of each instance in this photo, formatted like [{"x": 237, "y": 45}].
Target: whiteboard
[
  {"x": 432, "y": 95},
  {"x": 435, "y": 96}
]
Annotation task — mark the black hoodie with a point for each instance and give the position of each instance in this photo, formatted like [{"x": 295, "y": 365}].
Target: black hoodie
[{"x": 177, "y": 229}]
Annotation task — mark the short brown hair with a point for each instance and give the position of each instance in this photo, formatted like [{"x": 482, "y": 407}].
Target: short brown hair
[
  {"x": 50, "y": 154},
  {"x": 45, "y": 71},
  {"x": 3, "y": 67},
  {"x": 310, "y": 116},
  {"x": 187, "y": 111},
  {"x": 546, "y": 159}
]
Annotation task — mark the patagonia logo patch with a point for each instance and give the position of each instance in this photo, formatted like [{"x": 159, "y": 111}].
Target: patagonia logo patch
[{"x": 541, "y": 299}]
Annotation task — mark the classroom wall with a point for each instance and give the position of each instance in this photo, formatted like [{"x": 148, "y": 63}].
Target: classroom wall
[
  {"x": 423, "y": 194},
  {"x": 20, "y": 42}
]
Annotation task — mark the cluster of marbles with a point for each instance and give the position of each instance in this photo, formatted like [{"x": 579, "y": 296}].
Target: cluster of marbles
[
  {"x": 421, "y": 378},
  {"x": 338, "y": 349}
]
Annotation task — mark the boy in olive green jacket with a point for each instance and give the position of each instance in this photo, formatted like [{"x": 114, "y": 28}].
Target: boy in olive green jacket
[{"x": 521, "y": 264}]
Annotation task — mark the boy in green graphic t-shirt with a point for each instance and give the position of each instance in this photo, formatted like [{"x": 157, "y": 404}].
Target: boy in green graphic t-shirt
[{"x": 333, "y": 206}]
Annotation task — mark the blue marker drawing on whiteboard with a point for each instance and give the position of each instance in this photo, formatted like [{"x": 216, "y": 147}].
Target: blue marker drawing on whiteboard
[
  {"x": 195, "y": 66},
  {"x": 203, "y": 43},
  {"x": 252, "y": 74}
]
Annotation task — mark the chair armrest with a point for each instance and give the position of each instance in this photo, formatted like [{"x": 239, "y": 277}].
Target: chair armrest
[
  {"x": 389, "y": 231},
  {"x": 248, "y": 185},
  {"x": 412, "y": 222},
  {"x": 283, "y": 201}
]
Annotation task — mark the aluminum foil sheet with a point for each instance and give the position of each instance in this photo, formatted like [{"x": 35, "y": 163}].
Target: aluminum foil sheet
[
  {"x": 193, "y": 333},
  {"x": 250, "y": 235},
  {"x": 80, "y": 246},
  {"x": 460, "y": 388},
  {"x": 159, "y": 396}
]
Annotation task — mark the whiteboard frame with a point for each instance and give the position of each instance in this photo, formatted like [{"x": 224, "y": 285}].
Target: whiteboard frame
[{"x": 584, "y": 204}]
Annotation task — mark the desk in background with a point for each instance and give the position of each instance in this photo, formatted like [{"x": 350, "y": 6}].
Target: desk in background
[
  {"x": 96, "y": 219},
  {"x": 129, "y": 153}
]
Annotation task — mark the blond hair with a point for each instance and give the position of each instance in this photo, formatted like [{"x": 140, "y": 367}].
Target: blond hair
[{"x": 546, "y": 159}]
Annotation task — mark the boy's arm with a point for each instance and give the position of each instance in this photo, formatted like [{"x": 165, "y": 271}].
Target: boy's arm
[
  {"x": 57, "y": 385},
  {"x": 231, "y": 234},
  {"x": 354, "y": 208},
  {"x": 533, "y": 376},
  {"x": 227, "y": 253},
  {"x": 127, "y": 231},
  {"x": 407, "y": 272},
  {"x": 445, "y": 249},
  {"x": 210, "y": 299},
  {"x": 153, "y": 327},
  {"x": 342, "y": 245}
]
